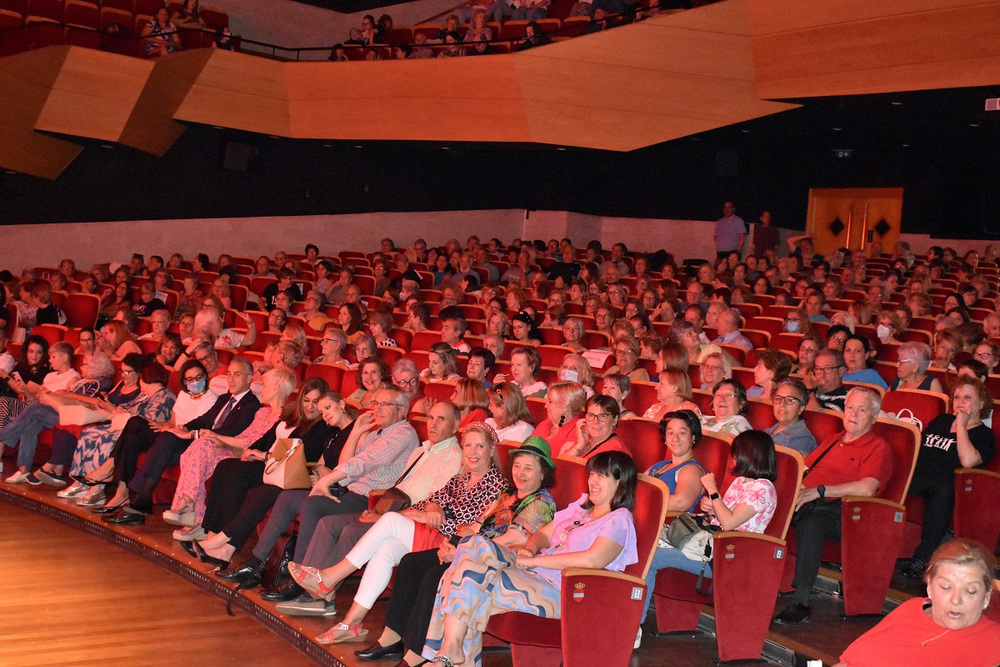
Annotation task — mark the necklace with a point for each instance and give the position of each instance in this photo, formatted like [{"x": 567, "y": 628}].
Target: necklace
[{"x": 928, "y": 641}]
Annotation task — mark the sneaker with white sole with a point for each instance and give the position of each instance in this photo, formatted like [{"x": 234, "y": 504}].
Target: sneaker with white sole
[
  {"x": 74, "y": 490},
  {"x": 638, "y": 639},
  {"x": 185, "y": 519},
  {"x": 50, "y": 478},
  {"x": 190, "y": 534},
  {"x": 306, "y": 605},
  {"x": 18, "y": 478}
]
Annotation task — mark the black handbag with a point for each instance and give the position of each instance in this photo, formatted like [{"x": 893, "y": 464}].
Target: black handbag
[{"x": 276, "y": 568}]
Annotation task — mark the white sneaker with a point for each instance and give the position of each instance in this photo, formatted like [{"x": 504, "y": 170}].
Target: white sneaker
[
  {"x": 75, "y": 490},
  {"x": 638, "y": 639},
  {"x": 18, "y": 478}
]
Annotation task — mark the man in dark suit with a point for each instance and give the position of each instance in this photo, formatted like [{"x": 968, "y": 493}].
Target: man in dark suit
[{"x": 231, "y": 415}]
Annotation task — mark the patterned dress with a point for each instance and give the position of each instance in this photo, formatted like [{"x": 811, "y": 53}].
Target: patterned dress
[
  {"x": 199, "y": 460},
  {"x": 96, "y": 442},
  {"x": 483, "y": 580}
]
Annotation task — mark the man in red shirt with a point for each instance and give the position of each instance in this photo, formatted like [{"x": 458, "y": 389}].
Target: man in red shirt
[{"x": 856, "y": 462}]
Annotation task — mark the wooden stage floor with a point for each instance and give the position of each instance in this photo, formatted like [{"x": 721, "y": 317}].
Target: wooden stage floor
[{"x": 78, "y": 592}]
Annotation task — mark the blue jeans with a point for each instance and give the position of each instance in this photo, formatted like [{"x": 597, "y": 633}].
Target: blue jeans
[
  {"x": 25, "y": 428},
  {"x": 665, "y": 558}
]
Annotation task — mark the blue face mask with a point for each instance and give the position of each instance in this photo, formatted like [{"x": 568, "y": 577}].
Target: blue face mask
[
  {"x": 792, "y": 326},
  {"x": 197, "y": 387}
]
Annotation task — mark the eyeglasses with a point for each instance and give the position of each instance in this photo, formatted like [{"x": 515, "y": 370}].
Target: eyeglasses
[
  {"x": 838, "y": 339},
  {"x": 600, "y": 417},
  {"x": 202, "y": 358},
  {"x": 407, "y": 383},
  {"x": 385, "y": 404},
  {"x": 786, "y": 400},
  {"x": 194, "y": 378},
  {"x": 713, "y": 367},
  {"x": 329, "y": 340},
  {"x": 908, "y": 361},
  {"x": 826, "y": 369},
  {"x": 726, "y": 396}
]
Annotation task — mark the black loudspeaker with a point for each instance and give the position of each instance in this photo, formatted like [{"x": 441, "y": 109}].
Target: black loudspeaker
[
  {"x": 727, "y": 163},
  {"x": 236, "y": 156}
]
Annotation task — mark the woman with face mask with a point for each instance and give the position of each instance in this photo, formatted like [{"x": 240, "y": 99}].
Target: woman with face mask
[
  {"x": 577, "y": 369},
  {"x": 194, "y": 400}
]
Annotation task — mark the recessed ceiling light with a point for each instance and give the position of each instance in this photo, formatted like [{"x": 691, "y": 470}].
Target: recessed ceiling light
[
  {"x": 906, "y": 145},
  {"x": 837, "y": 129},
  {"x": 327, "y": 145},
  {"x": 358, "y": 146},
  {"x": 973, "y": 124},
  {"x": 896, "y": 103},
  {"x": 745, "y": 131}
]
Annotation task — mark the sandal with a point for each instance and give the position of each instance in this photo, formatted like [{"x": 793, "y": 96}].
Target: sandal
[
  {"x": 341, "y": 633},
  {"x": 444, "y": 660},
  {"x": 311, "y": 580}
]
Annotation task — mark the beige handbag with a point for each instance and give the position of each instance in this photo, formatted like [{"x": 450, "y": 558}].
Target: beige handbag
[{"x": 285, "y": 466}]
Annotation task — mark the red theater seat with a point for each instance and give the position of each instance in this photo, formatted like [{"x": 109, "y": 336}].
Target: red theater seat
[
  {"x": 591, "y": 599},
  {"x": 746, "y": 568},
  {"x": 872, "y": 528}
]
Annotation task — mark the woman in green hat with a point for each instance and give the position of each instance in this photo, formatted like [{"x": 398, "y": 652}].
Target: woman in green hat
[{"x": 512, "y": 519}]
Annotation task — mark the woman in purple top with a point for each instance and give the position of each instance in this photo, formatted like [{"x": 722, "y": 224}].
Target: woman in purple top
[{"x": 486, "y": 578}]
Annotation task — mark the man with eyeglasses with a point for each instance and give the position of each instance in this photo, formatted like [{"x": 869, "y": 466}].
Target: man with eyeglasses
[
  {"x": 855, "y": 462},
  {"x": 381, "y": 440},
  {"x": 231, "y": 414},
  {"x": 829, "y": 392},
  {"x": 428, "y": 468}
]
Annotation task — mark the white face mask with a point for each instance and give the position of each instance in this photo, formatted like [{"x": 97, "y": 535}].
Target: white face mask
[
  {"x": 568, "y": 375},
  {"x": 882, "y": 331},
  {"x": 792, "y": 326}
]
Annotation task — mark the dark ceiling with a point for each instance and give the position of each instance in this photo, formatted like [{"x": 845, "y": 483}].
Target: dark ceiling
[{"x": 941, "y": 146}]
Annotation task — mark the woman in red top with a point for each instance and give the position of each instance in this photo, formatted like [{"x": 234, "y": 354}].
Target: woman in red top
[{"x": 945, "y": 628}]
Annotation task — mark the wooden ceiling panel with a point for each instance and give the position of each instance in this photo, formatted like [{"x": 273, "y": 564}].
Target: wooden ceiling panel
[
  {"x": 605, "y": 129},
  {"x": 404, "y": 79},
  {"x": 151, "y": 127},
  {"x": 912, "y": 49},
  {"x": 94, "y": 94},
  {"x": 416, "y": 119},
  {"x": 25, "y": 82},
  {"x": 775, "y": 16}
]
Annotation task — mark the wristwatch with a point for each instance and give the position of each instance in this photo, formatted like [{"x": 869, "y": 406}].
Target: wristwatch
[
  {"x": 821, "y": 490},
  {"x": 715, "y": 496}
]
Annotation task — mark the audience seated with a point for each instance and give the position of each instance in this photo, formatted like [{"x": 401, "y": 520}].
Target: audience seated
[{"x": 217, "y": 430}]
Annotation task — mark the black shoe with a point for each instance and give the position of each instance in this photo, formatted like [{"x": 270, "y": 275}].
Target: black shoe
[
  {"x": 108, "y": 509},
  {"x": 124, "y": 519},
  {"x": 378, "y": 652},
  {"x": 914, "y": 569},
  {"x": 246, "y": 576},
  {"x": 211, "y": 560},
  {"x": 289, "y": 590},
  {"x": 189, "y": 547},
  {"x": 794, "y": 614}
]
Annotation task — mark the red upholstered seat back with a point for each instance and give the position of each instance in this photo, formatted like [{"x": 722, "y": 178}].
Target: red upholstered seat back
[{"x": 904, "y": 440}]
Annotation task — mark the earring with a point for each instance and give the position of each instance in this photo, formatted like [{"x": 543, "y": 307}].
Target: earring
[{"x": 562, "y": 420}]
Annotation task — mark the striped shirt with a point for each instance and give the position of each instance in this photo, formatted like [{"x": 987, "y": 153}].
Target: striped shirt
[{"x": 380, "y": 459}]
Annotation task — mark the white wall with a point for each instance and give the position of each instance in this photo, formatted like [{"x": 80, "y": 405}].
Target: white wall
[
  {"x": 89, "y": 243},
  {"x": 23, "y": 246}
]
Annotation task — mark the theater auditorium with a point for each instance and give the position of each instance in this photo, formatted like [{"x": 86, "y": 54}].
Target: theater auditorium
[{"x": 499, "y": 332}]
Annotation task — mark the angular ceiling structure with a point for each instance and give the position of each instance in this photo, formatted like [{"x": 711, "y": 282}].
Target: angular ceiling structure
[{"x": 623, "y": 89}]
